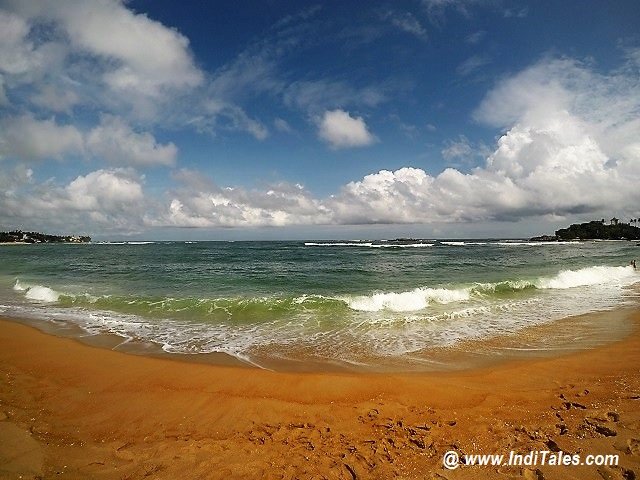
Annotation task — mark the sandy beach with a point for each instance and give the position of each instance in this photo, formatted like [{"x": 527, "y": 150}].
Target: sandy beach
[{"x": 69, "y": 410}]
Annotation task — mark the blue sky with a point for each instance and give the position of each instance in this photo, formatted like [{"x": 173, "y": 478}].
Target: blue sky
[{"x": 273, "y": 119}]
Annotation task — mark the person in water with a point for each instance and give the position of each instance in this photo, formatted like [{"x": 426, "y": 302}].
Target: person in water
[{"x": 633, "y": 264}]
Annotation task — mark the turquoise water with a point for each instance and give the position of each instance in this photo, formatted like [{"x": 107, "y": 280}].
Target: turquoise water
[{"x": 348, "y": 301}]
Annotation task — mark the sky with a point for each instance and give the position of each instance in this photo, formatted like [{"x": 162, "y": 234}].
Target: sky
[{"x": 275, "y": 119}]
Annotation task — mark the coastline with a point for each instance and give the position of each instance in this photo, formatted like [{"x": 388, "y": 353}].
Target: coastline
[{"x": 78, "y": 411}]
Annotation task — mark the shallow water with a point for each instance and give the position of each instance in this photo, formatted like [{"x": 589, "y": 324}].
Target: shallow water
[{"x": 350, "y": 302}]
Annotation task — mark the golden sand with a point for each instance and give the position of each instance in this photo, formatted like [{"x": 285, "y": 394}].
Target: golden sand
[{"x": 69, "y": 410}]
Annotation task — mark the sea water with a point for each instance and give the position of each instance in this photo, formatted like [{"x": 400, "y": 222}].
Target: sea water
[{"x": 352, "y": 302}]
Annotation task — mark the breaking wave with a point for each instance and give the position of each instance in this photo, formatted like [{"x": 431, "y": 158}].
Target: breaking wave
[{"x": 257, "y": 308}]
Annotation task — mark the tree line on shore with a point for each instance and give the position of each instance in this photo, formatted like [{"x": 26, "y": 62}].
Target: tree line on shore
[{"x": 18, "y": 236}]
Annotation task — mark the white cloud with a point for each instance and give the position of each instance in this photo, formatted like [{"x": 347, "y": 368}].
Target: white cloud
[
  {"x": 472, "y": 64},
  {"x": 436, "y": 9},
  {"x": 282, "y": 125},
  {"x": 17, "y": 53},
  {"x": 341, "y": 130},
  {"x": 476, "y": 37},
  {"x": 219, "y": 115},
  {"x": 573, "y": 104},
  {"x": 456, "y": 149},
  {"x": 103, "y": 200},
  {"x": 199, "y": 203},
  {"x": 143, "y": 54},
  {"x": 571, "y": 148},
  {"x": 95, "y": 53},
  {"x": 104, "y": 191},
  {"x": 115, "y": 141},
  {"x": 55, "y": 100},
  {"x": 461, "y": 151},
  {"x": 26, "y": 138},
  {"x": 517, "y": 13},
  {"x": 570, "y": 151},
  {"x": 3, "y": 94},
  {"x": 406, "y": 22},
  {"x": 30, "y": 139}
]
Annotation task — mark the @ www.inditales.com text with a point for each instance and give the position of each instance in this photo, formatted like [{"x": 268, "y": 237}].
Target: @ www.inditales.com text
[{"x": 535, "y": 458}]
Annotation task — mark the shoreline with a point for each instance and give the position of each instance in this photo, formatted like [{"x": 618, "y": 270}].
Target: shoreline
[
  {"x": 569, "y": 334},
  {"x": 78, "y": 411}
]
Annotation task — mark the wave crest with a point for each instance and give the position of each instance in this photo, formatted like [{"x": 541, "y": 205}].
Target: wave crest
[{"x": 37, "y": 293}]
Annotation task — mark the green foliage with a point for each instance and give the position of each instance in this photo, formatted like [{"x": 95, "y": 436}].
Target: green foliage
[
  {"x": 36, "y": 237},
  {"x": 599, "y": 231}
]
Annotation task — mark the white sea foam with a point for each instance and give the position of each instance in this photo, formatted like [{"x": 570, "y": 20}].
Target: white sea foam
[
  {"x": 410, "y": 301},
  {"x": 124, "y": 243},
  {"x": 420, "y": 298},
  {"x": 534, "y": 244},
  {"x": 462, "y": 244},
  {"x": 42, "y": 294},
  {"x": 338, "y": 244},
  {"x": 383, "y": 324},
  {"x": 589, "y": 276},
  {"x": 401, "y": 245},
  {"x": 367, "y": 244},
  {"x": 38, "y": 293}
]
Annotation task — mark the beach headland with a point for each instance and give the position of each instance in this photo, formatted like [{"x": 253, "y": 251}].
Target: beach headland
[{"x": 69, "y": 410}]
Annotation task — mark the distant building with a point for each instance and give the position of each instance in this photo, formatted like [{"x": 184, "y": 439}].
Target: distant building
[{"x": 614, "y": 221}]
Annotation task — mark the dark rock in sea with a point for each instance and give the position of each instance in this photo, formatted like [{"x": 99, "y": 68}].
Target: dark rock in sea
[{"x": 545, "y": 238}]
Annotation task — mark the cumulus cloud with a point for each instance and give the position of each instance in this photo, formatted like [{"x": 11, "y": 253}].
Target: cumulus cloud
[
  {"x": 98, "y": 54},
  {"x": 341, "y": 130},
  {"x": 110, "y": 190},
  {"x": 570, "y": 143},
  {"x": 456, "y": 149},
  {"x": 111, "y": 200},
  {"x": 28, "y": 138},
  {"x": 568, "y": 101},
  {"x": 201, "y": 203},
  {"x": 140, "y": 54},
  {"x": 570, "y": 148},
  {"x": 17, "y": 52},
  {"x": 55, "y": 99},
  {"x": 115, "y": 141},
  {"x": 461, "y": 151}
]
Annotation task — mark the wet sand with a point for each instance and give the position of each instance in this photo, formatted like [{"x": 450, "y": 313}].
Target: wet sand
[{"x": 71, "y": 410}]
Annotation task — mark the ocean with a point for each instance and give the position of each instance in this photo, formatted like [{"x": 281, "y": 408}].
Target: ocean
[{"x": 352, "y": 304}]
